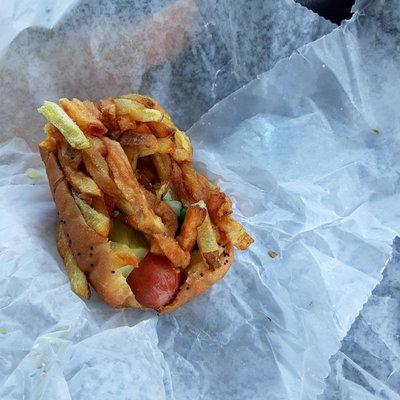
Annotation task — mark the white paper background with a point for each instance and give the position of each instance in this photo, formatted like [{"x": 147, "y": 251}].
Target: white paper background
[{"x": 309, "y": 177}]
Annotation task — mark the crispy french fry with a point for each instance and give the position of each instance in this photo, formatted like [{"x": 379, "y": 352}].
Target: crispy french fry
[
  {"x": 165, "y": 212},
  {"x": 194, "y": 218},
  {"x": 137, "y": 139},
  {"x": 77, "y": 278},
  {"x": 83, "y": 117},
  {"x": 132, "y": 153},
  {"x": 143, "y": 218},
  {"x": 178, "y": 185},
  {"x": 207, "y": 240},
  {"x": 235, "y": 232},
  {"x": 96, "y": 220},
  {"x": 92, "y": 108},
  {"x": 183, "y": 147},
  {"x": 48, "y": 144},
  {"x": 192, "y": 183},
  {"x": 163, "y": 165},
  {"x": 142, "y": 127},
  {"x": 161, "y": 129},
  {"x": 52, "y": 131},
  {"x": 126, "y": 123},
  {"x": 98, "y": 169},
  {"x": 137, "y": 110},
  {"x": 218, "y": 204},
  {"x": 69, "y": 159},
  {"x": 108, "y": 112},
  {"x": 60, "y": 119},
  {"x": 172, "y": 250},
  {"x": 144, "y": 100},
  {"x": 163, "y": 146}
]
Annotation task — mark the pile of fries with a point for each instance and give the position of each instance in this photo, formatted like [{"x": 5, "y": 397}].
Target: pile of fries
[{"x": 124, "y": 159}]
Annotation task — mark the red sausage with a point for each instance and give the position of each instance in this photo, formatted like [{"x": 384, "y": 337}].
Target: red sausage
[{"x": 154, "y": 282}]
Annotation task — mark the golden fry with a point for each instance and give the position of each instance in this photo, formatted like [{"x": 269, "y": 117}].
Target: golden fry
[
  {"x": 60, "y": 119},
  {"x": 143, "y": 218},
  {"x": 194, "y": 218},
  {"x": 98, "y": 169},
  {"x": 137, "y": 111},
  {"x": 83, "y": 116},
  {"x": 163, "y": 165},
  {"x": 207, "y": 241},
  {"x": 108, "y": 112},
  {"x": 178, "y": 185},
  {"x": 172, "y": 250},
  {"x": 161, "y": 129},
  {"x": 69, "y": 159},
  {"x": 163, "y": 146},
  {"x": 183, "y": 147},
  {"x": 165, "y": 212},
  {"x": 235, "y": 232},
  {"x": 125, "y": 123},
  {"x": 138, "y": 139},
  {"x": 192, "y": 183}
]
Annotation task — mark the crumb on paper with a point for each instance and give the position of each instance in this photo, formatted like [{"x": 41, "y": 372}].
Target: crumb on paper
[
  {"x": 32, "y": 173},
  {"x": 376, "y": 131},
  {"x": 3, "y": 331},
  {"x": 272, "y": 253}
]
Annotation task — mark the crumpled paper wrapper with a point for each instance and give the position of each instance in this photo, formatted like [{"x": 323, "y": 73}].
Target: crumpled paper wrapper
[{"x": 308, "y": 151}]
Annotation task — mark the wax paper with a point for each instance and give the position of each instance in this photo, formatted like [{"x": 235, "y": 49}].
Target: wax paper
[
  {"x": 308, "y": 152},
  {"x": 368, "y": 363}
]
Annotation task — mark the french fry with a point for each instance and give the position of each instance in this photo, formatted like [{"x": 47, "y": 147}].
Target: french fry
[
  {"x": 192, "y": 183},
  {"x": 143, "y": 218},
  {"x": 172, "y": 250},
  {"x": 235, "y": 232},
  {"x": 207, "y": 240},
  {"x": 194, "y": 218},
  {"x": 138, "y": 139},
  {"x": 142, "y": 127},
  {"x": 165, "y": 212},
  {"x": 163, "y": 165},
  {"x": 137, "y": 110},
  {"x": 125, "y": 123},
  {"x": 161, "y": 129},
  {"x": 69, "y": 161},
  {"x": 163, "y": 146},
  {"x": 92, "y": 108},
  {"x": 108, "y": 112},
  {"x": 218, "y": 204},
  {"x": 132, "y": 153},
  {"x": 178, "y": 185},
  {"x": 139, "y": 98},
  {"x": 48, "y": 144},
  {"x": 60, "y": 119},
  {"x": 77, "y": 278},
  {"x": 51, "y": 131},
  {"x": 97, "y": 168},
  {"x": 166, "y": 127},
  {"x": 183, "y": 147},
  {"x": 83, "y": 117},
  {"x": 96, "y": 220}
]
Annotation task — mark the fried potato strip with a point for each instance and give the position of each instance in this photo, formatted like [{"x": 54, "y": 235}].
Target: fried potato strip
[{"x": 142, "y": 218}]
